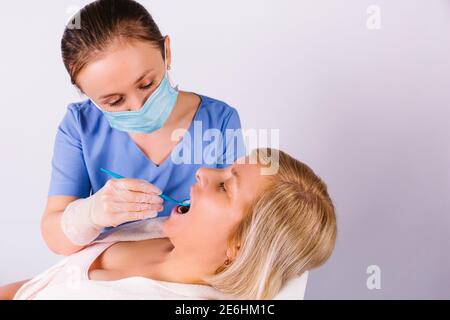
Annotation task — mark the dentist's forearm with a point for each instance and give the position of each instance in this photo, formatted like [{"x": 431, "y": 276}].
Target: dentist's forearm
[
  {"x": 54, "y": 237},
  {"x": 51, "y": 229}
]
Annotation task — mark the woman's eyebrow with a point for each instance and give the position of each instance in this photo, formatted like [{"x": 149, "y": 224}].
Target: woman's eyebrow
[
  {"x": 236, "y": 176},
  {"x": 118, "y": 94},
  {"x": 234, "y": 172}
]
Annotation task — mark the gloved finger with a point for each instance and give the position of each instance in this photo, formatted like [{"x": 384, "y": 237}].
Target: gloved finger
[
  {"x": 121, "y": 195},
  {"x": 121, "y": 192},
  {"x": 151, "y": 214},
  {"x": 135, "y": 207},
  {"x": 139, "y": 185}
]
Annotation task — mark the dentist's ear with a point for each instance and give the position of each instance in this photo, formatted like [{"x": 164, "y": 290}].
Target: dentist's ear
[{"x": 168, "y": 52}]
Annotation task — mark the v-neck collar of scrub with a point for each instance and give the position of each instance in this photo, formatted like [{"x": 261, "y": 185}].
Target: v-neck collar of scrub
[{"x": 167, "y": 159}]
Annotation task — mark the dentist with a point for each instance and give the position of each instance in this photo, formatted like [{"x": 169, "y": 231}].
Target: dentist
[{"x": 120, "y": 60}]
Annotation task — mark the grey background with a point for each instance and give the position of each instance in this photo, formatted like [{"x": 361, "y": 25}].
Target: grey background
[{"x": 367, "y": 109}]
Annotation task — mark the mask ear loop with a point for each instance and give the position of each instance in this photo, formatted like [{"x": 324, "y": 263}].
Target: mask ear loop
[{"x": 167, "y": 68}]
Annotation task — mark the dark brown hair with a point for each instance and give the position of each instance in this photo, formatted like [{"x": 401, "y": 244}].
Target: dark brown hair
[{"x": 100, "y": 24}]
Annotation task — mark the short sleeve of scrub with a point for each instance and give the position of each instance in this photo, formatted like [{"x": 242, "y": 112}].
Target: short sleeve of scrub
[{"x": 69, "y": 175}]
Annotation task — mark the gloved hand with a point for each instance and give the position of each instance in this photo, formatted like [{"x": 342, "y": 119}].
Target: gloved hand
[{"x": 119, "y": 201}]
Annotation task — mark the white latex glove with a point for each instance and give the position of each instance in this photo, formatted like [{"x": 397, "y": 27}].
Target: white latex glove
[{"x": 119, "y": 201}]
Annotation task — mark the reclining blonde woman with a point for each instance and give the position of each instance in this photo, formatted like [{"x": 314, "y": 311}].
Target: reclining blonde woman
[{"x": 244, "y": 237}]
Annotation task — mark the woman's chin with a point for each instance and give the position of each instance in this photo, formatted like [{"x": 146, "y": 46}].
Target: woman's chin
[{"x": 167, "y": 227}]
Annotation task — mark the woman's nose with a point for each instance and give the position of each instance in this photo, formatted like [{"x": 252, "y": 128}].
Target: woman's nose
[
  {"x": 206, "y": 175},
  {"x": 200, "y": 175}
]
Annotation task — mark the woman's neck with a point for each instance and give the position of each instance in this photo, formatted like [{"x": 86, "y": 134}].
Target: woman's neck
[{"x": 179, "y": 268}]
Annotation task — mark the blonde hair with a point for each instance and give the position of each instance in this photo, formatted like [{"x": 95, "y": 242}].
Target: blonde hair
[{"x": 290, "y": 228}]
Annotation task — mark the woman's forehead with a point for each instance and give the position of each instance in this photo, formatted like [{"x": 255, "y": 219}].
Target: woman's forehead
[
  {"x": 246, "y": 165},
  {"x": 248, "y": 174}
]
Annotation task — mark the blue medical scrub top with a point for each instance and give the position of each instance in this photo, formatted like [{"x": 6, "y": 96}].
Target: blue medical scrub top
[{"x": 85, "y": 142}]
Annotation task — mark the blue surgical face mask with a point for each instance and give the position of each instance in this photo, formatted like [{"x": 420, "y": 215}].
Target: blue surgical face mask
[{"x": 151, "y": 116}]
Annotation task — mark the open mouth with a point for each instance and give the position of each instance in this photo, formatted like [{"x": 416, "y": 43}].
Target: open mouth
[{"x": 182, "y": 209}]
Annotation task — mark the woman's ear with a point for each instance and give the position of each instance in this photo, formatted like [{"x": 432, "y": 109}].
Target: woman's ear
[{"x": 232, "y": 251}]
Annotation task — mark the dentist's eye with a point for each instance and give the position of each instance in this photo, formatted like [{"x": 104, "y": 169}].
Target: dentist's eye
[
  {"x": 116, "y": 103},
  {"x": 222, "y": 186},
  {"x": 147, "y": 86}
]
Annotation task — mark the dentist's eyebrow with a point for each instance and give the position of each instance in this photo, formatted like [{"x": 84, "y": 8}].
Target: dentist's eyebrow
[
  {"x": 118, "y": 94},
  {"x": 143, "y": 75}
]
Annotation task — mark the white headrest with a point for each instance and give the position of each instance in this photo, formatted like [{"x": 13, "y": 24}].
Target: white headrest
[{"x": 294, "y": 289}]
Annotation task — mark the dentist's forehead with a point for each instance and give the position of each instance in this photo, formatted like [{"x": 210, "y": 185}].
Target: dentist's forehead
[{"x": 118, "y": 68}]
